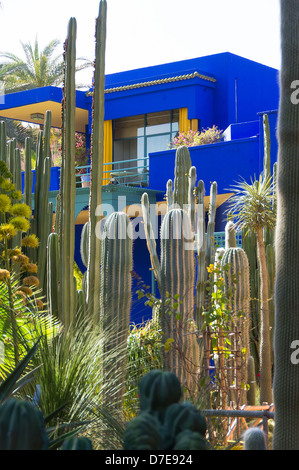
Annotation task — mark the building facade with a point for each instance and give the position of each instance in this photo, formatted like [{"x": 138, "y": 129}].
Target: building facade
[{"x": 145, "y": 108}]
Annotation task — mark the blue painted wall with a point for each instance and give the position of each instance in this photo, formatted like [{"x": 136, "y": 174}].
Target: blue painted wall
[
  {"x": 242, "y": 89},
  {"x": 224, "y": 162}
]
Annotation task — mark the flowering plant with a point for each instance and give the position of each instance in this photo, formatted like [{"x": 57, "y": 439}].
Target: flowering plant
[
  {"x": 81, "y": 157},
  {"x": 193, "y": 138}
]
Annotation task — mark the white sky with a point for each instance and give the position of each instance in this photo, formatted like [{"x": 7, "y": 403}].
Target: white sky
[{"x": 148, "y": 32}]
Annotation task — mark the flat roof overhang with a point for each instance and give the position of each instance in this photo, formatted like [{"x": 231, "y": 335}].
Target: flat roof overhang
[{"x": 21, "y": 105}]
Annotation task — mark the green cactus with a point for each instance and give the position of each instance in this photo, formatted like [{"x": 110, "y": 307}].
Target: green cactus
[
  {"x": 144, "y": 432},
  {"x": 115, "y": 296},
  {"x": 97, "y": 149},
  {"x": 236, "y": 268},
  {"x": 190, "y": 440},
  {"x": 164, "y": 423},
  {"x": 254, "y": 439},
  {"x": 250, "y": 246},
  {"x": 22, "y": 426},
  {"x": 77, "y": 443},
  {"x": 177, "y": 294},
  {"x": 176, "y": 274},
  {"x": 286, "y": 335},
  {"x": 184, "y": 416},
  {"x": 40, "y": 226},
  {"x": 68, "y": 181},
  {"x": 251, "y": 393},
  {"x": 53, "y": 284},
  {"x": 3, "y": 145},
  {"x": 181, "y": 176},
  {"x": 158, "y": 390},
  {"x": 28, "y": 177}
]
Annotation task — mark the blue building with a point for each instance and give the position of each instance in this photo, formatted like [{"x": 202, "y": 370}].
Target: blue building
[{"x": 146, "y": 108}]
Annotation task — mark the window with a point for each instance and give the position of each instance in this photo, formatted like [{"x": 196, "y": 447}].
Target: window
[{"x": 135, "y": 137}]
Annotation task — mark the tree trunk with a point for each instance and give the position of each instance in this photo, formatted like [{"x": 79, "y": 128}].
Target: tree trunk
[
  {"x": 286, "y": 367},
  {"x": 265, "y": 340}
]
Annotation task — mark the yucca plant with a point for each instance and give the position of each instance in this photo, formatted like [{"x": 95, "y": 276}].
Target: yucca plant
[
  {"x": 69, "y": 379},
  {"x": 253, "y": 205}
]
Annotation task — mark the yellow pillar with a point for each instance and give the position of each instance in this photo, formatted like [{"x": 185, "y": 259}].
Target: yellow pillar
[
  {"x": 108, "y": 150},
  {"x": 186, "y": 124}
]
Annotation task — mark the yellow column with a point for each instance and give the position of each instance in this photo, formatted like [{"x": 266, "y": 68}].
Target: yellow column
[
  {"x": 108, "y": 150},
  {"x": 185, "y": 123}
]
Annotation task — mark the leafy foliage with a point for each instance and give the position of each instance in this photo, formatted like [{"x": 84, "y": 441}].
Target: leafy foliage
[{"x": 38, "y": 69}]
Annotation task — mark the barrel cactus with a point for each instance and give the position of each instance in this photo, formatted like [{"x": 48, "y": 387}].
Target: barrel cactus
[
  {"x": 77, "y": 443},
  {"x": 163, "y": 422},
  {"x": 254, "y": 439},
  {"x": 144, "y": 432},
  {"x": 158, "y": 390},
  {"x": 22, "y": 426}
]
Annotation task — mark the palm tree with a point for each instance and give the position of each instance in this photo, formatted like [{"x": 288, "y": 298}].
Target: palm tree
[
  {"x": 253, "y": 206},
  {"x": 39, "y": 68}
]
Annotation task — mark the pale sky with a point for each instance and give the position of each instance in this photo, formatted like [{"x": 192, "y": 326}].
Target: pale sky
[{"x": 148, "y": 32}]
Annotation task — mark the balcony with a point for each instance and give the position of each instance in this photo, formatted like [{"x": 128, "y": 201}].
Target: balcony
[
  {"x": 132, "y": 172},
  {"x": 123, "y": 185}
]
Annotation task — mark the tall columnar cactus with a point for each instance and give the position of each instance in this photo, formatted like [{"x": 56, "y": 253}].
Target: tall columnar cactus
[
  {"x": 177, "y": 294},
  {"x": 97, "y": 150},
  {"x": 237, "y": 280},
  {"x": 286, "y": 368},
  {"x": 68, "y": 183},
  {"x": 251, "y": 379},
  {"x": 41, "y": 192},
  {"x": 181, "y": 176},
  {"x": 28, "y": 176},
  {"x": 3, "y": 145},
  {"x": 249, "y": 243},
  {"x": 61, "y": 245},
  {"x": 84, "y": 251},
  {"x": 176, "y": 273},
  {"x": 53, "y": 284},
  {"x": 115, "y": 299}
]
